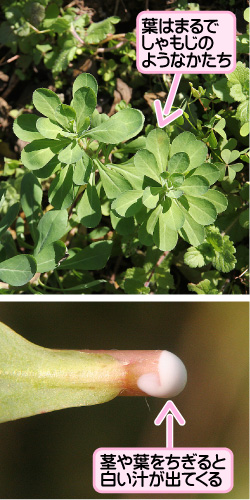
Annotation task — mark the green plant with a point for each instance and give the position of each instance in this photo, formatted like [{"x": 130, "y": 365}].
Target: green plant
[{"x": 44, "y": 31}]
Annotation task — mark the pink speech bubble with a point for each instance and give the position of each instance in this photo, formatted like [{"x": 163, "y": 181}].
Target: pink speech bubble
[
  {"x": 186, "y": 42},
  {"x": 163, "y": 470}
]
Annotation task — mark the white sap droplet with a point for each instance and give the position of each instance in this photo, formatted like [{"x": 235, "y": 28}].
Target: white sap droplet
[{"x": 170, "y": 380}]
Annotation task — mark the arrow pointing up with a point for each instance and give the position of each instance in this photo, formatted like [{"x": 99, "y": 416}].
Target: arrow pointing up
[
  {"x": 162, "y": 122},
  {"x": 164, "y": 413}
]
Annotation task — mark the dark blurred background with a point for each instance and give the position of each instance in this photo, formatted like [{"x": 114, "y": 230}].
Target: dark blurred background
[{"x": 50, "y": 455}]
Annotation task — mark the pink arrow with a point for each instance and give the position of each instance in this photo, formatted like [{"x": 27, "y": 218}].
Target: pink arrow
[
  {"x": 162, "y": 122},
  {"x": 169, "y": 407}
]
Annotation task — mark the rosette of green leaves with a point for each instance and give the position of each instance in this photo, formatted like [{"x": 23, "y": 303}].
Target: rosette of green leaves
[
  {"x": 58, "y": 140},
  {"x": 170, "y": 191}
]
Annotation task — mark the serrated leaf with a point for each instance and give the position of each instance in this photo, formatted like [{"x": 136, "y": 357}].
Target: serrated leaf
[
  {"x": 194, "y": 257},
  {"x": 118, "y": 128},
  {"x": 95, "y": 256},
  {"x": 157, "y": 142},
  {"x": 18, "y": 270},
  {"x": 61, "y": 191},
  {"x": 85, "y": 80},
  {"x": 25, "y": 127},
  {"x": 51, "y": 227},
  {"x": 46, "y": 102},
  {"x": 195, "y": 149},
  {"x": 89, "y": 207},
  {"x": 37, "y": 380},
  {"x": 205, "y": 287},
  {"x": 49, "y": 257},
  {"x": 84, "y": 103}
]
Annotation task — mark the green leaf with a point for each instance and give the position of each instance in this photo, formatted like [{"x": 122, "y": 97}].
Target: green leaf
[
  {"x": 38, "y": 153},
  {"x": 114, "y": 184},
  {"x": 151, "y": 196},
  {"x": 122, "y": 225},
  {"x": 201, "y": 210},
  {"x": 209, "y": 171},
  {"x": 212, "y": 140},
  {"x": 134, "y": 280},
  {"x": 95, "y": 256},
  {"x": 48, "y": 129},
  {"x": 144, "y": 237},
  {"x": 172, "y": 215},
  {"x": 89, "y": 207},
  {"x": 51, "y": 227},
  {"x": 61, "y": 191},
  {"x": 152, "y": 219},
  {"x": 129, "y": 172},
  {"x": 157, "y": 142},
  {"x": 191, "y": 231},
  {"x": 85, "y": 80},
  {"x": 146, "y": 165},
  {"x": 217, "y": 198},
  {"x": 194, "y": 257},
  {"x": 229, "y": 156},
  {"x": 120, "y": 127},
  {"x": 195, "y": 185},
  {"x": 64, "y": 115},
  {"x": 195, "y": 149},
  {"x": 128, "y": 203},
  {"x": 49, "y": 257},
  {"x": 96, "y": 32},
  {"x": 71, "y": 154},
  {"x": 25, "y": 127},
  {"x": 82, "y": 170},
  {"x": 242, "y": 112},
  {"x": 205, "y": 287},
  {"x": 9, "y": 218},
  {"x": 224, "y": 260},
  {"x": 18, "y": 270},
  {"x": 179, "y": 162},
  {"x": 35, "y": 380},
  {"x": 52, "y": 166},
  {"x": 164, "y": 237},
  {"x": 84, "y": 103},
  {"x": 244, "y": 219},
  {"x": 31, "y": 199},
  {"x": 46, "y": 102}
]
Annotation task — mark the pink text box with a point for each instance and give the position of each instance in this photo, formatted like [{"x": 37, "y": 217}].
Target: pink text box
[
  {"x": 186, "y": 42},
  {"x": 163, "y": 470}
]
